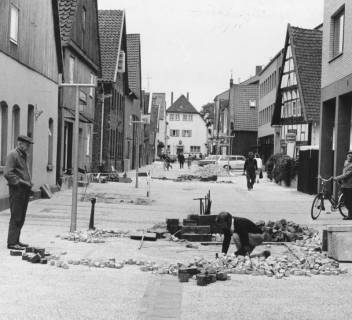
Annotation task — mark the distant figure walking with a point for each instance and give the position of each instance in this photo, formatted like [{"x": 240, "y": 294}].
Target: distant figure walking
[
  {"x": 260, "y": 166},
  {"x": 249, "y": 169},
  {"x": 20, "y": 185},
  {"x": 189, "y": 161},
  {"x": 181, "y": 159}
]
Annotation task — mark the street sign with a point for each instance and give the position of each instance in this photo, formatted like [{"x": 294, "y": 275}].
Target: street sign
[{"x": 290, "y": 137}]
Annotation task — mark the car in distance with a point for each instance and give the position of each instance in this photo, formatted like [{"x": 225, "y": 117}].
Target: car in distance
[
  {"x": 208, "y": 160},
  {"x": 231, "y": 162}
]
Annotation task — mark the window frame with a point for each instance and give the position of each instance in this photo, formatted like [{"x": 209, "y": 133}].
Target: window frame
[
  {"x": 13, "y": 9},
  {"x": 335, "y": 50}
]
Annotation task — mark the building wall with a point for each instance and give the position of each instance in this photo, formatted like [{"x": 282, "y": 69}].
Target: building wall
[
  {"x": 341, "y": 66},
  {"x": 198, "y": 138},
  {"x": 244, "y": 142},
  {"x": 36, "y": 47},
  {"x": 245, "y": 117},
  {"x": 159, "y": 100},
  {"x": 268, "y": 83},
  {"x": 23, "y": 87},
  {"x": 82, "y": 74}
]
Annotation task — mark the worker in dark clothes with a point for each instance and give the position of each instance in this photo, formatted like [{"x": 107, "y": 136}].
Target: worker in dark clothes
[
  {"x": 249, "y": 234},
  {"x": 250, "y": 168},
  {"x": 19, "y": 181}
]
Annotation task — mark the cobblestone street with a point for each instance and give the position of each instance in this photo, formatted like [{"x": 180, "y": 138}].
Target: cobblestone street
[{"x": 32, "y": 291}]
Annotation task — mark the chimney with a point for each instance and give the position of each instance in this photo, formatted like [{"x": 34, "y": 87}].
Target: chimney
[
  {"x": 258, "y": 69},
  {"x": 172, "y": 97},
  {"x": 231, "y": 82},
  {"x": 188, "y": 96}
]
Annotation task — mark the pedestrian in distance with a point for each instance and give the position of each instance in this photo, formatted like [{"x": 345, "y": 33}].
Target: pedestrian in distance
[
  {"x": 247, "y": 235},
  {"x": 181, "y": 159},
  {"x": 189, "y": 161},
  {"x": 260, "y": 166},
  {"x": 346, "y": 184},
  {"x": 20, "y": 185},
  {"x": 167, "y": 162},
  {"x": 250, "y": 168}
]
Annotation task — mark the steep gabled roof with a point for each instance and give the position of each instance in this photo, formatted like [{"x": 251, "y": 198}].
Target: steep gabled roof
[
  {"x": 306, "y": 47},
  {"x": 182, "y": 105},
  {"x": 111, "y": 24},
  {"x": 134, "y": 63},
  {"x": 307, "y": 51},
  {"x": 67, "y": 11}
]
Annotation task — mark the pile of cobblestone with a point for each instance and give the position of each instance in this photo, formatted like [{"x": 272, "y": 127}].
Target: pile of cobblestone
[
  {"x": 93, "y": 236},
  {"x": 285, "y": 231},
  {"x": 211, "y": 170}
]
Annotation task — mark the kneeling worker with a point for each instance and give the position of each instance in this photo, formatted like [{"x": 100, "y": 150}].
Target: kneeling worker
[{"x": 249, "y": 234}]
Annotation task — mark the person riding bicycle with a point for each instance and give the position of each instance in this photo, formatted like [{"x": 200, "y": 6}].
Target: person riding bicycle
[{"x": 346, "y": 184}]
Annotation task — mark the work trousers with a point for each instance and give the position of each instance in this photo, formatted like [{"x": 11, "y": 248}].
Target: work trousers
[
  {"x": 250, "y": 179},
  {"x": 19, "y": 197},
  {"x": 347, "y": 195}
]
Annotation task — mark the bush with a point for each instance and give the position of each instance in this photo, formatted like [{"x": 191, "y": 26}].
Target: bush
[{"x": 281, "y": 167}]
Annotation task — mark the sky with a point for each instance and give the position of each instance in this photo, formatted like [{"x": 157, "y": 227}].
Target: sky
[{"x": 195, "y": 45}]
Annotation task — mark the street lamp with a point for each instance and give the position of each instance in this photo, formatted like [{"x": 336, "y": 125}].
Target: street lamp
[{"x": 73, "y": 225}]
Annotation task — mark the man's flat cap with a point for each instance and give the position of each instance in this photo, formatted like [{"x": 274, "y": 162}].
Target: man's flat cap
[
  {"x": 349, "y": 152},
  {"x": 24, "y": 138}
]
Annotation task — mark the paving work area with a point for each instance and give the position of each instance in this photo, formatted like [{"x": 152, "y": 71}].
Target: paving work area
[{"x": 34, "y": 291}]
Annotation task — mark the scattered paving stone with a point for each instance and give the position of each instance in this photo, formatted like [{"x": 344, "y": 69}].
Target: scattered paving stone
[{"x": 93, "y": 236}]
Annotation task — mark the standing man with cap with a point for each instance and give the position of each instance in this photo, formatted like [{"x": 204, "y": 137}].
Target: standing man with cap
[
  {"x": 346, "y": 184},
  {"x": 19, "y": 181}
]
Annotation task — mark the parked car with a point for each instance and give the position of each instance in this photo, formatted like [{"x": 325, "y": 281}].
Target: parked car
[
  {"x": 208, "y": 160},
  {"x": 233, "y": 161}
]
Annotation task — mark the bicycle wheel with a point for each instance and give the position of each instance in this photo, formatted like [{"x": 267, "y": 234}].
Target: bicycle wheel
[
  {"x": 341, "y": 205},
  {"x": 317, "y": 206}
]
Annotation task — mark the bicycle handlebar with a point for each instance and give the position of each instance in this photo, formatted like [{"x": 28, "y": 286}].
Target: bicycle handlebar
[{"x": 325, "y": 180}]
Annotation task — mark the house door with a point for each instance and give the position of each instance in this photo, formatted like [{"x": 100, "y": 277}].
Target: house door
[
  {"x": 68, "y": 133},
  {"x": 179, "y": 149}
]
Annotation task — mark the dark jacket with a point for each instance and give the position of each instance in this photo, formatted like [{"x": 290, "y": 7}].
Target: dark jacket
[
  {"x": 250, "y": 166},
  {"x": 16, "y": 167},
  {"x": 346, "y": 176},
  {"x": 242, "y": 227}
]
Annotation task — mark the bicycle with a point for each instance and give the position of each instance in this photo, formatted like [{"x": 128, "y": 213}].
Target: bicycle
[{"x": 318, "y": 203}]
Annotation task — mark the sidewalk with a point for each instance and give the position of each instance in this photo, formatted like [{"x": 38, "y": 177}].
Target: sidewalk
[{"x": 45, "y": 292}]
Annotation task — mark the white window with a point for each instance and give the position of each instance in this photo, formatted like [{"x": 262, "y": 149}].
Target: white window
[
  {"x": 177, "y": 116},
  {"x": 88, "y": 140},
  {"x": 187, "y": 117},
  {"x": 195, "y": 149},
  {"x": 82, "y": 100},
  {"x": 14, "y": 24},
  {"x": 92, "y": 81},
  {"x": 174, "y": 133},
  {"x": 337, "y": 32},
  {"x": 171, "y": 117},
  {"x": 187, "y": 133},
  {"x": 71, "y": 69},
  {"x": 84, "y": 14},
  {"x": 252, "y": 103}
]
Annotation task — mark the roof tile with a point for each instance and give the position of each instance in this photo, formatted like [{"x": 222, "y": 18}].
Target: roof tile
[
  {"x": 182, "y": 105},
  {"x": 110, "y": 31}
]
